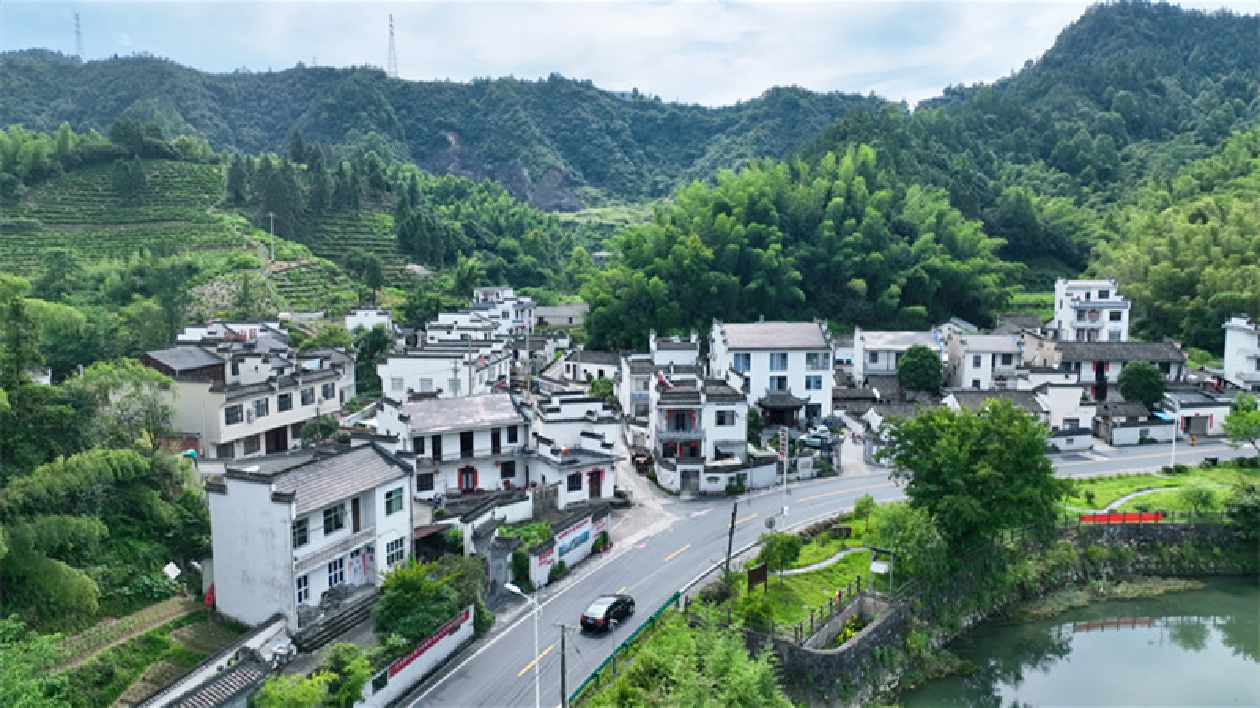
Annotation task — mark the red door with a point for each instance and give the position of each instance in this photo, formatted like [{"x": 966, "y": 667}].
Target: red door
[{"x": 594, "y": 480}]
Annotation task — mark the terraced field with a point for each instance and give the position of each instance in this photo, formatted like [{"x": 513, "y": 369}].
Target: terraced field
[
  {"x": 370, "y": 228},
  {"x": 314, "y": 285},
  {"x": 82, "y": 212}
]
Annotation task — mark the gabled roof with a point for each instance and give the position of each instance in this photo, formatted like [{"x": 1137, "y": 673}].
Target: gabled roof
[
  {"x": 185, "y": 358},
  {"x": 327, "y": 480},
  {"x": 973, "y": 400},
  {"x": 587, "y": 356},
  {"x": 446, "y": 414},
  {"x": 899, "y": 341},
  {"x": 773, "y": 335},
  {"x": 1000, "y": 343},
  {"x": 1121, "y": 409},
  {"x": 1120, "y": 351}
]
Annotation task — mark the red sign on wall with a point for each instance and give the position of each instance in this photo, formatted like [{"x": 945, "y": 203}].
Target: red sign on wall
[{"x": 442, "y": 632}]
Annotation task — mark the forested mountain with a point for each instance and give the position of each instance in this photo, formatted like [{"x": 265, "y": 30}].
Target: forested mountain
[
  {"x": 1128, "y": 92},
  {"x": 557, "y": 142}
]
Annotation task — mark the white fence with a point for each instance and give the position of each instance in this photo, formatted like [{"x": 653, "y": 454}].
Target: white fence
[{"x": 402, "y": 675}]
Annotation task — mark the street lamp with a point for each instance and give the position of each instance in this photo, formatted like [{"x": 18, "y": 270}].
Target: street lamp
[{"x": 537, "y": 610}]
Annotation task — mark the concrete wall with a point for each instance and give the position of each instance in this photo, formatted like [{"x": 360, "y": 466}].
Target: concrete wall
[
  {"x": 253, "y": 554},
  {"x": 1158, "y": 430},
  {"x": 404, "y": 673},
  {"x": 1084, "y": 441}
]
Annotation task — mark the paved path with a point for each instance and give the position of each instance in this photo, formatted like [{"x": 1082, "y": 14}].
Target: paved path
[{"x": 824, "y": 563}]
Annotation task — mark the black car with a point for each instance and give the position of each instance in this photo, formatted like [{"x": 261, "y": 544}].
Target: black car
[{"x": 605, "y": 610}]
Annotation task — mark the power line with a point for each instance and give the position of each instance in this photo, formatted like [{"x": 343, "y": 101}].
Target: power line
[
  {"x": 78, "y": 38},
  {"x": 391, "y": 64}
]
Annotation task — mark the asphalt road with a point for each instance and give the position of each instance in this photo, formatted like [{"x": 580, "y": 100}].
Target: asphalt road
[{"x": 683, "y": 540}]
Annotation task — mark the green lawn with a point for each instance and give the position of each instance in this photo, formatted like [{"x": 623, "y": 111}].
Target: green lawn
[
  {"x": 1169, "y": 500},
  {"x": 529, "y": 532},
  {"x": 793, "y": 596},
  {"x": 1109, "y": 489},
  {"x": 824, "y": 546}
]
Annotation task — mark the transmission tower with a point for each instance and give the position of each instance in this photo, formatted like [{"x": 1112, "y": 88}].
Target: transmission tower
[
  {"x": 391, "y": 64},
  {"x": 78, "y": 38}
]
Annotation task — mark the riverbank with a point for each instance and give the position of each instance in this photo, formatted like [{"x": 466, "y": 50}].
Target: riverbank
[{"x": 1060, "y": 601}]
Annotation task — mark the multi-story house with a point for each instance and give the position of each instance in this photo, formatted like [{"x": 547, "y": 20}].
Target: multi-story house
[
  {"x": 1242, "y": 353},
  {"x": 787, "y": 366},
  {"x": 286, "y": 530},
  {"x": 1089, "y": 311},
  {"x": 1097, "y": 365},
  {"x": 246, "y": 398},
  {"x": 562, "y": 316},
  {"x": 982, "y": 361},
  {"x": 587, "y": 365},
  {"x": 446, "y": 370},
  {"x": 1069, "y": 416},
  {"x": 877, "y": 353},
  {"x": 459, "y": 326},
  {"x": 369, "y": 318},
  {"x": 637, "y": 370},
  {"x": 338, "y": 358},
  {"x": 512, "y": 313},
  {"x": 461, "y": 445}
]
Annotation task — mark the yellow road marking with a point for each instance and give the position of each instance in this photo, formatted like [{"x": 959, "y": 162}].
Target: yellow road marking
[
  {"x": 843, "y": 491},
  {"x": 670, "y": 557},
  {"x": 750, "y": 517},
  {"x": 623, "y": 589},
  {"x": 530, "y": 665}
]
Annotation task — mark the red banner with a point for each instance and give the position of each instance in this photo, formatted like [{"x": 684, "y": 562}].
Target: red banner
[
  {"x": 1124, "y": 517},
  {"x": 443, "y": 631}
]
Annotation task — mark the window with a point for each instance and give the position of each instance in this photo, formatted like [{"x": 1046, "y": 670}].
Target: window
[
  {"x": 328, "y": 391},
  {"x": 507, "y": 470},
  {"x": 424, "y": 482},
  {"x": 1071, "y": 423},
  {"x": 1080, "y": 315},
  {"x": 233, "y": 415},
  {"x": 236, "y": 368},
  {"x": 575, "y": 482},
  {"x": 284, "y": 402},
  {"x": 437, "y": 448},
  {"x": 815, "y": 361},
  {"x": 308, "y": 396},
  {"x": 873, "y": 357},
  {"x": 725, "y": 418},
  {"x": 743, "y": 362},
  {"x": 813, "y": 383},
  {"x": 1143, "y": 433},
  {"x": 336, "y": 572},
  {"x": 1104, "y": 294},
  {"x": 511, "y": 435},
  {"x": 253, "y": 444},
  {"x": 395, "y": 551},
  {"x": 466, "y": 444},
  {"x": 778, "y": 361},
  {"x": 975, "y": 361},
  {"x": 1115, "y": 316},
  {"x": 778, "y": 383},
  {"x": 1008, "y": 359},
  {"x": 334, "y": 519},
  {"x": 468, "y": 479},
  {"x": 396, "y": 383},
  {"x": 303, "y": 589},
  {"x": 496, "y": 441},
  {"x": 301, "y": 532},
  {"x": 1113, "y": 335},
  {"x": 393, "y": 501},
  {"x": 975, "y": 383},
  {"x": 426, "y": 385},
  {"x": 417, "y": 445},
  {"x": 641, "y": 384},
  {"x": 262, "y": 407}
]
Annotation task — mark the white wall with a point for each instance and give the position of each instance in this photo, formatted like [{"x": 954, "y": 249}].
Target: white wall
[
  {"x": 1088, "y": 291},
  {"x": 369, "y": 318},
  {"x": 1158, "y": 430},
  {"x": 760, "y": 374},
  {"x": 1242, "y": 347},
  {"x": 253, "y": 554},
  {"x": 1084, "y": 441},
  {"x": 406, "y": 672}
]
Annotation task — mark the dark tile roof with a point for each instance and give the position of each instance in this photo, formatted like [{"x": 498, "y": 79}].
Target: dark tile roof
[
  {"x": 321, "y": 482},
  {"x": 781, "y": 399},
  {"x": 445, "y": 414},
  {"x": 642, "y": 367},
  {"x": 773, "y": 335},
  {"x": 224, "y": 686},
  {"x": 888, "y": 388},
  {"x": 1121, "y": 409},
  {"x": 1019, "y": 320},
  {"x": 720, "y": 390},
  {"x": 185, "y": 358},
  {"x": 972, "y": 399},
  {"x": 1120, "y": 351},
  {"x": 556, "y": 311},
  {"x": 594, "y": 357},
  {"x": 669, "y": 344}
]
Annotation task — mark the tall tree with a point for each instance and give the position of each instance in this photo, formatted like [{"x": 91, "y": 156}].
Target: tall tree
[
  {"x": 19, "y": 337},
  {"x": 297, "y": 147},
  {"x": 919, "y": 369},
  {"x": 1143, "y": 382},
  {"x": 975, "y": 472},
  {"x": 1242, "y": 423}
]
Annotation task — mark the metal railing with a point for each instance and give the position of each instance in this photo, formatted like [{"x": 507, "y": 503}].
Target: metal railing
[{"x": 475, "y": 453}]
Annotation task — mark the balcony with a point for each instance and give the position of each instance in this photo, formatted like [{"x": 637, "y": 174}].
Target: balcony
[
  {"x": 1249, "y": 376},
  {"x": 665, "y": 434},
  {"x": 317, "y": 557},
  {"x": 1100, "y": 304},
  {"x": 477, "y": 453}
]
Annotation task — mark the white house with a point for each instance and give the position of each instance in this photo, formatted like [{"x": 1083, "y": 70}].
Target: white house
[
  {"x": 369, "y": 318},
  {"x": 877, "y": 353},
  {"x": 587, "y": 365},
  {"x": 286, "y": 531},
  {"x": 637, "y": 370},
  {"x": 1120, "y": 422},
  {"x": 220, "y": 331},
  {"x": 446, "y": 370},
  {"x": 1242, "y": 353},
  {"x": 1070, "y": 417},
  {"x": 788, "y": 366},
  {"x": 459, "y": 326},
  {"x": 982, "y": 361},
  {"x": 1197, "y": 413},
  {"x": 512, "y": 313},
  {"x": 246, "y": 398},
  {"x": 562, "y": 316},
  {"x": 1097, "y": 365},
  {"x": 1089, "y": 311},
  {"x": 460, "y": 445},
  {"x": 339, "y": 358}
]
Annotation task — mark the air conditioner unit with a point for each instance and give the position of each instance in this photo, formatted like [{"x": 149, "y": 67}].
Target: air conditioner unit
[{"x": 249, "y": 416}]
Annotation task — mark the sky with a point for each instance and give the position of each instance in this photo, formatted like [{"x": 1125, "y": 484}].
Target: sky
[{"x": 708, "y": 52}]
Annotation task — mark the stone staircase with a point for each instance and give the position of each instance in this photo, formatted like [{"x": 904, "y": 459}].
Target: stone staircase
[{"x": 330, "y": 627}]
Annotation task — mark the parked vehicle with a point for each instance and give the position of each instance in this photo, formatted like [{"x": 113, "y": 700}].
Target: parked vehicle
[
  {"x": 605, "y": 611},
  {"x": 822, "y": 431},
  {"x": 814, "y": 440}
]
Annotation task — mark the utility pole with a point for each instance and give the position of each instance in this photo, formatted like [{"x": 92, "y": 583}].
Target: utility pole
[
  {"x": 272, "y": 217},
  {"x": 564, "y": 684},
  {"x": 730, "y": 540}
]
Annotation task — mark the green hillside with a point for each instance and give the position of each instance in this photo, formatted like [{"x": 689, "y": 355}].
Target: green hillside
[{"x": 557, "y": 143}]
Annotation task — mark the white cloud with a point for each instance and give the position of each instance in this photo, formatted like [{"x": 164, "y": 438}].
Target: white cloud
[{"x": 715, "y": 53}]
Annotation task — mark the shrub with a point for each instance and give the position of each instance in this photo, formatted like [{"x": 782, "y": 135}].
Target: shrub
[
  {"x": 715, "y": 593},
  {"x": 734, "y": 488},
  {"x": 455, "y": 541},
  {"x": 1181, "y": 469},
  {"x": 439, "y": 514},
  {"x": 520, "y": 570},
  {"x": 558, "y": 571},
  {"x": 1090, "y": 497}
]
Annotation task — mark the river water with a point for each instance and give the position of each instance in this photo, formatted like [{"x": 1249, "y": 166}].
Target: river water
[{"x": 1198, "y": 648}]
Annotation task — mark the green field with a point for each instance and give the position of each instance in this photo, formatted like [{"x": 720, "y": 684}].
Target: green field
[
  {"x": 1109, "y": 489},
  {"x": 1035, "y": 303}
]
